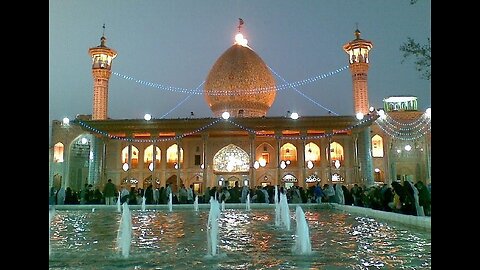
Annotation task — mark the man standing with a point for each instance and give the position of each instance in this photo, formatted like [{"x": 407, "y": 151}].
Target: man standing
[{"x": 109, "y": 192}]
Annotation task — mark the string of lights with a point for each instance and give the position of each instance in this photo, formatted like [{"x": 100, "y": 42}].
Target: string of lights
[
  {"x": 405, "y": 131},
  {"x": 389, "y": 119},
  {"x": 405, "y": 135},
  {"x": 419, "y": 125},
  {"x": 221, "y": 92},
  {"x": 301, "y": 93},
  {"x": 181, "y": 102},
  {"x": 216, "y": 120}
]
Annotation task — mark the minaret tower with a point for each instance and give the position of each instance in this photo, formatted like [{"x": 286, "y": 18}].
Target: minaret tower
[
  {"x": 102, "y": 57},
  {"x": 357, "y": 51}
]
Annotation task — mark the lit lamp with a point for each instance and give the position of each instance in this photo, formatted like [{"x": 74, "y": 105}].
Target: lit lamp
[
  {"x": 310, "y": 164},
  {"x": 256, "y": 164},
  {"x": 125, "y": 167},
  {"x": 150, "y": 166},
  {"x": 337, "y": 164},
  {"x": 283, "y": 165},
  {"x": 262, "y": 162},
  {"x": 66, "y": 121}
]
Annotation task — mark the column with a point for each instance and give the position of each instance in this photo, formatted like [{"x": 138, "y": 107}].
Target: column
[
  {"x": 95, "y": 160},
  {"x": 205, "y": 161},
  {"x": 365, "y": 156},
  {"x": 179, "y": 158},
  {"x": 154, "y": 159},
  {"x": 324, "y": 148},
  {"x": 301, "y": 159},
  {"x": 278, "y": 136},
  {"x": 329, "y": 157},
  {"x": 427, "y": 159},
  {"x": 253, "y": 156}
]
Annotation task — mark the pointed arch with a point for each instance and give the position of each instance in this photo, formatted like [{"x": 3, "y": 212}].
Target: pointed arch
[
  {"x": 231, "y": 158},
  {"x": 264, "y": 152},
  {"x": 288, "y": 151},
  {"x": 336, "y": 153},
  {"x": 134, "y": 159},
  {"x": 377, "y": 146},
  {"x": 148, "y": 156},
  {"x": 312, "y": 152},
  {"x": 58, "y": 150},
  {"x": 172, "y": 154}
]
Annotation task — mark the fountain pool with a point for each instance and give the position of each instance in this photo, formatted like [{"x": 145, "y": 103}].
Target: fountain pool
[{"x": 82, "y": 239}]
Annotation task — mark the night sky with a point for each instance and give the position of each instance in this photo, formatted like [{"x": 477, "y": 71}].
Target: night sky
[{"x": 175, "y": 43}]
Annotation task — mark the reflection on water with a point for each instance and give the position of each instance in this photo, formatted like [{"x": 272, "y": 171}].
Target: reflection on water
[{"x": 248, "y": 240}]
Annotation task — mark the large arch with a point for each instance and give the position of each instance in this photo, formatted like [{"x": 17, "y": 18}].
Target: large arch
[
  {"x": 231, "y": 159},
  {"x": 172, "y": 180}
]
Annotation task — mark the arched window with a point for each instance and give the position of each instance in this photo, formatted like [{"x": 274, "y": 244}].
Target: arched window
[
  {"x": 172, "y": 154},
  {"x": 263, "y": 153},
  {"x": 58, "y": 149},
  {"x": 312, "y": 152},
  {"x": 231, "y": 158},
  {"x": 148, "y": 156},
  {"x": 377, "y": 146},
  {"x": 288, "y": 152},
  {"x": 336, "y": 153},
  {"x": 134, "y": 162}
]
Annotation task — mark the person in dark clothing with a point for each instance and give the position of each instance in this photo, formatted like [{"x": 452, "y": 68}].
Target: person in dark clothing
[
  {"x": 132, "y": 196},
  {"x": 149, "y": 194}
]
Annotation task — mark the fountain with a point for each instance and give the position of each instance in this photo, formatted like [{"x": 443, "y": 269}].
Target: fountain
[
  {"x": 119, "y": 208},
  {"x": 212, "y": 227},
  {"x": 170, "y": 202},
  {"x": 302, "y": 240},
  {"x": 247, "y": 206},
  {"x": 284, "y": 212},
  {"x": 195, "y": 204},
  {"x": 143, "y": 203},
  {"x": 124, "y": 235},
  {"x": 84, "y": 240},
  {"x": 277, "y": 207},
  {"x": 51, "y": 215}
]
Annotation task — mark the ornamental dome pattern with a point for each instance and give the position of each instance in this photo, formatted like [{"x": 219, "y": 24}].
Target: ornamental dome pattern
[{"x": 240, "y": 83}]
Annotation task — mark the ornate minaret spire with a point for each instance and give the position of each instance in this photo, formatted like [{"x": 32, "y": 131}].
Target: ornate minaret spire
[
  {"x": 357, "y": 51},
  {"x": 102, "y": 57}
]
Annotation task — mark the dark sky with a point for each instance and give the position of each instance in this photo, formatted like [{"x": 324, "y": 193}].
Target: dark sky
[{"x": 175, "y": 43}]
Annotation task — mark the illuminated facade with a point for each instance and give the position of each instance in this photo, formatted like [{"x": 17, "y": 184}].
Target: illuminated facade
[{"x": 248, "y": 147}]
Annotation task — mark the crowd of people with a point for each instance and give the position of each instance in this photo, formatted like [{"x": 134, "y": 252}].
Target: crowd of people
[{"x": 400, "y": 197}]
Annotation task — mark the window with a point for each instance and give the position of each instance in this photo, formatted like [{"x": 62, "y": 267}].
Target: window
[
  {"x": 377, "y": 146},
  {"x": 58, "y": 152},
  {"x": 198, "y": 160}
]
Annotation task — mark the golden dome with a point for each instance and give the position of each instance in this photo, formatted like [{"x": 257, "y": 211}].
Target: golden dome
[{"x": 240, "y": 83}]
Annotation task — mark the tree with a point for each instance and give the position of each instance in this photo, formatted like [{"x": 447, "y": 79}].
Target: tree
[{"x": 422, "y": 54}]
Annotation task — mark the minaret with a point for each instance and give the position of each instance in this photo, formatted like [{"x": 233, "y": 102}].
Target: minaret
[
  {"x": 102, "y": 57},
  {"x": 357, "y": 51}
]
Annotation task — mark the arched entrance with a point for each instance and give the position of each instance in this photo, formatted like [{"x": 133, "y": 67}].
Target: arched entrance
[{"x": 172, "y": 181}]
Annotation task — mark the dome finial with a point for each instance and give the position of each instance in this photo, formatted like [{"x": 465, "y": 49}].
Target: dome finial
[
  {"x": 240, "y": 23},
  {"x": 357, "y": 32},
  {"x": 239, "y": 39},
  {"x": 102, "y": 39}
]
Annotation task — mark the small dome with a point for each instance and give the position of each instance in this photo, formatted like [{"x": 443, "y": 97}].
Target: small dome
[{"x": 240, "y": 83}]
